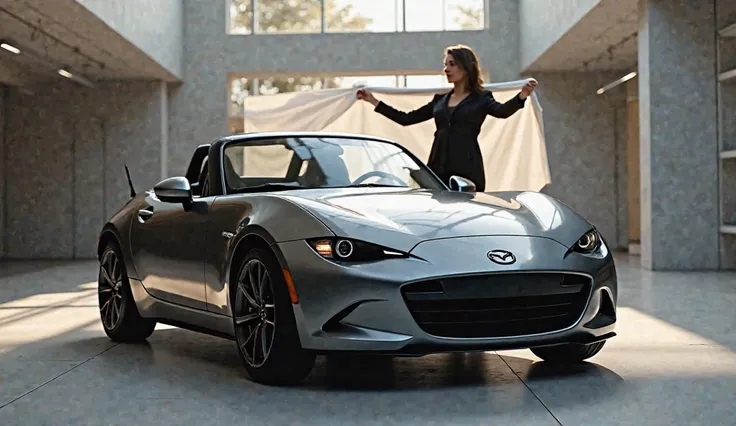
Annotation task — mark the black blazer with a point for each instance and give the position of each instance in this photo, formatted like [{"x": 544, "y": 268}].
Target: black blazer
[{"x": 455, "y": 149}]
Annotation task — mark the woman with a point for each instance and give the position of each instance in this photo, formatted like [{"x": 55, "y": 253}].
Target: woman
[{"x": 458, "y": 116}]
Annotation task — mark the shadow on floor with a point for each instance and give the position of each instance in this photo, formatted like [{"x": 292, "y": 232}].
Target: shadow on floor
[{"x": 371, "y": 373}]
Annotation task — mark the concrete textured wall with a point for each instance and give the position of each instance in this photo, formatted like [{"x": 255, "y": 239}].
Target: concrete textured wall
[
  {"x": 621, "y": 176},
  {"x": 65, "y": 148},
  {"x": 155, "y": 27},
  {"x": 3, "y": 92},
  {"x": 199, "y": 110},
  {"x": 678, "y": 135},
  {"x": 64, "y": 156},
  {"x": 586, "y": 148},
  {"x": 543, "y": 22},
  {"x": 725, "y": 13}
]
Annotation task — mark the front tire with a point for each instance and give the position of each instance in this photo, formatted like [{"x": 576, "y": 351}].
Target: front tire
[
  {"x": 265, "y": 327},
  {"x": 569, "y": 353},
  {"x": 119, "y": 315}
]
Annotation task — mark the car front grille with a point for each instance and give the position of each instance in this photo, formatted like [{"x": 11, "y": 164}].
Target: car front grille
[{"x": 497, "y": 305}]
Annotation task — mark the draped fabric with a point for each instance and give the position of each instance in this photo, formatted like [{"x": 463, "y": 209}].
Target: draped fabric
[{"x": 513, "y": 149}]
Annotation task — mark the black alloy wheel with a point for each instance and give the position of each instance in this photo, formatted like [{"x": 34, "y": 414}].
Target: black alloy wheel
[
  {"x": 265, "y": 326},
  {"x": 255, "y": 313},
  {"x": 120, "y": 317},
  {"x": 110, "y": 295}
]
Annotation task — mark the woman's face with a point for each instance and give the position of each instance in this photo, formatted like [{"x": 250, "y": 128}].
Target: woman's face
[{"x": 453, "y": 71}]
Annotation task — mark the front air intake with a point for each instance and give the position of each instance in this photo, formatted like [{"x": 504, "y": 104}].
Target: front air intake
[{"x": 498, "y": 305}]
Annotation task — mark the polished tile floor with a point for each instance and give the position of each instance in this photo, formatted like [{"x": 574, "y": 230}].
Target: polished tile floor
[{"x": 673, "y": 363}]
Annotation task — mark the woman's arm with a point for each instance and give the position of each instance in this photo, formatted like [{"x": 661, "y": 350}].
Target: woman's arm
[
  {"x": 400, "y": 117},
  {"x": 505, "y": 110},
  {"x": 514, "y": 104},
  {"x": 407, "y": 118}
]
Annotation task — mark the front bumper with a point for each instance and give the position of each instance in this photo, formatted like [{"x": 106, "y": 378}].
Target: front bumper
[{"x": 453, "y": 298}]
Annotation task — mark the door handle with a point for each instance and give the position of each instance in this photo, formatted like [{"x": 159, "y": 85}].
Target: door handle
[{"x": 144, "y": 214}]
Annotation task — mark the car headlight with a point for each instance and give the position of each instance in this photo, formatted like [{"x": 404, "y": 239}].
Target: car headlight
[
  {"x": 350, "y": 250},
  {"x": 590, "y": 243}
]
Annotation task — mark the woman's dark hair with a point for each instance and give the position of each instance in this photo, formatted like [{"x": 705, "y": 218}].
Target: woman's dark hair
[{"x": 468, "y": 61}]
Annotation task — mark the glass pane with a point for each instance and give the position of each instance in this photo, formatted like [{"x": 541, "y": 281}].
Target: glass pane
[
  {"x": 239, "y": 89},
  {"x": 444, "y": 15},
  {"x": 272, "y": 86},
  {"x": 464, "y": 15},
  {"x": 260, "y": 161},
  {"x": 236, "y": 125},
  {"x": 424, "y": 15},
  {"x": 301, "y": 163},
  {"x": 240, "y": 17},
  {"x": 362, "y": 15},
  {"x": 423, "y": 81},
  {"x": 386, "y": 163},
  {"x": 289, "y": 16},
  {"x": 368, "y": 80}
]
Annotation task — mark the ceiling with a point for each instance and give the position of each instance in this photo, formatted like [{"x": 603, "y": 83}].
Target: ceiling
[
  {"x": 64, "y": 34},
  {"x": 611, "y": 25}
]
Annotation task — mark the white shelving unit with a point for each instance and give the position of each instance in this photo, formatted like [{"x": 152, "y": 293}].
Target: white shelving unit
[
  {"x": 728, "y": 31},
  {"x": 729, "y": 154},
  {"x": 727, "y": 75},
  {"x": 727, "y": 144},
  {"x": 728, "y": 229}
]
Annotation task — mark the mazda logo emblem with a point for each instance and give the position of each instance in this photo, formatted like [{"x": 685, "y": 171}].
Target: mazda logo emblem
[{"x": 502, "y": 257}]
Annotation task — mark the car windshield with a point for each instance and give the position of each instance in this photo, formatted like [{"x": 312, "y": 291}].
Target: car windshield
[{"x": 321, "y": 162}]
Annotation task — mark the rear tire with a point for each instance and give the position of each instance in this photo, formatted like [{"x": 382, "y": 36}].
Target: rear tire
[
  {"x": 119, "y": 315},
  {"x": 265, "y": 327},
  {"x": 569, "y": 353}
]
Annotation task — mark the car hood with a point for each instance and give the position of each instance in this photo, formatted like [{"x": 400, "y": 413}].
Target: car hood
[{"x": 402, "y": 218}]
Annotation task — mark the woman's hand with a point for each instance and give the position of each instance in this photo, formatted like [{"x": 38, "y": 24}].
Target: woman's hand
[
  {"x": 528, "y": 89},
  {"x": 367, "y": 96}
]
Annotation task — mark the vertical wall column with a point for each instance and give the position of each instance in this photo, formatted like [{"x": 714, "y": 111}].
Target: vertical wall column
[
  {"x": 2, "y": 171},
  {"x": 678, "y": 135},
  {"x": 164, "y": 99},
  {"x": 633, "y": 188}
]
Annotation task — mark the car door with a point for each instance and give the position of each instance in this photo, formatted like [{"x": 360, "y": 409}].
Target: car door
[{"x": 168, "y": 240}]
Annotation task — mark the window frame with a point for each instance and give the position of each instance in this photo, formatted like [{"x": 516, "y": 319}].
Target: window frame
[{"x": 400, "y": 22}]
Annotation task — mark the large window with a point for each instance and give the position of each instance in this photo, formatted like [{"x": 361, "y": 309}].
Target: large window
[
  {"x": 242, "y": 87},
  {"x": 330, "y": 16}
]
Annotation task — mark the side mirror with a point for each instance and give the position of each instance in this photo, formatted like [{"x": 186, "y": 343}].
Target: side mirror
[
  {"x": 174, "y": 190},
  {"x": 461, "y": 184}
]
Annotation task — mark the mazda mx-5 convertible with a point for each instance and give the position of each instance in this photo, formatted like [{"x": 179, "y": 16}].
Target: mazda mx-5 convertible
[{"x": 304, "y": 243}]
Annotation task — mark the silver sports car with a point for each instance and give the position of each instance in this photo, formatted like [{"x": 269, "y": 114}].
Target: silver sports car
[{"x": 298, "y": 244}]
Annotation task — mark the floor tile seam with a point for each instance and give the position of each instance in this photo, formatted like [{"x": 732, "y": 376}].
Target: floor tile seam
[
  {"x": 56, "y": 377},
  {"x": 530, "y": 390}
]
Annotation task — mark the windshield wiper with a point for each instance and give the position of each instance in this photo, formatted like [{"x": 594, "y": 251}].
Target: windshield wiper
[
  {"x": 370, "y": 185},
  {"x": 267, "y": 187}
]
